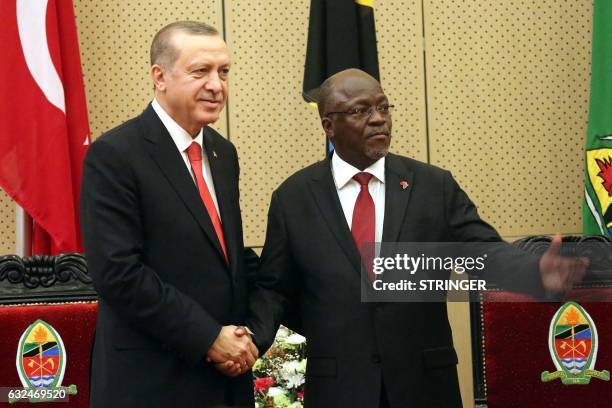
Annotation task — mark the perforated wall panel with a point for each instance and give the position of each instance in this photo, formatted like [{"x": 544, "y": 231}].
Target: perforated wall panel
[
  {"x": 508, "y": 97},
  {"x": 7, "y": 224},
  {"x": 275, "y": 132},
  {"x": 399, "y": 31}
]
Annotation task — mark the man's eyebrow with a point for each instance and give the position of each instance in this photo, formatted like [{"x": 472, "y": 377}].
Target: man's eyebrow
[
  {"x": 207, "y": 63},
  {"x": 364, "y": 99}
]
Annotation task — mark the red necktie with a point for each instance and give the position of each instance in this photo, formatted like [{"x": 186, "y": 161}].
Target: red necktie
[
  {"x": 194, "y": 152},
  {"x": 364, "y": 222}
]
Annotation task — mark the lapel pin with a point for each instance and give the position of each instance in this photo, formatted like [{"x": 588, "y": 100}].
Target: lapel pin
[
  {"x": 404, "y": 184},
  {"x": 214, "y": 154}
]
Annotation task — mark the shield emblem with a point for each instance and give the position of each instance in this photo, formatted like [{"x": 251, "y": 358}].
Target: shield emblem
[
  {"x": 41, "y": 357},
  {"x": 573, "y": 346}
]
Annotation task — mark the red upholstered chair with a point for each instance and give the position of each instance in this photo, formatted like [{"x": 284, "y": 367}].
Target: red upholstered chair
[
  {"x": 58, "y": 291},
  {"x": 510, "y": 343}
]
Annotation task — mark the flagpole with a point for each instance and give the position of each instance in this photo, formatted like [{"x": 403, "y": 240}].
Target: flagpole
[{"x": 23, "y": 236}]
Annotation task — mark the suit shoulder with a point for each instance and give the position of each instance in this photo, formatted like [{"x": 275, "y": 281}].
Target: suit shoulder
[
  {"x": 419, "y": 167},
  {"x": 300, "y": 178},
  {"x": 122, "y": 136}
]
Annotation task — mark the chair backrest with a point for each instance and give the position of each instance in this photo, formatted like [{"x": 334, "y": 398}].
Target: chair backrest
[
  {"x": 510, "y": 344},
  {"x": 48, "y": 312}
]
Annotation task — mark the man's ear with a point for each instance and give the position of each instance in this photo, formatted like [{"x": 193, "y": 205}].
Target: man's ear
[
  {"x": 157, "y": 75},
  {"x": 328, "y": 127}
]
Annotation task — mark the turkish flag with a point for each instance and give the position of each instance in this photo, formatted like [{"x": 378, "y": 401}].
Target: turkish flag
[{"x": 44, "y": 132}]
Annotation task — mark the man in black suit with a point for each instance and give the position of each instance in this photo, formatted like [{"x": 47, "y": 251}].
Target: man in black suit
[
  {"x": 163, "y": 240},
  {"x": 368, "y": 354}
]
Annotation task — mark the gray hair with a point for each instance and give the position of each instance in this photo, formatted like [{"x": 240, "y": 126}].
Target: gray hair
[{"x": 163, "y": 51}]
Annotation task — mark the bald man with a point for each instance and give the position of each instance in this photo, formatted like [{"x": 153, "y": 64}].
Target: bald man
[{"x": 368, "y": 354}]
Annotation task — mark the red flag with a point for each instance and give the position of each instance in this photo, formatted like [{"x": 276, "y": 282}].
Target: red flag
[{"x": 44, "y": 132}]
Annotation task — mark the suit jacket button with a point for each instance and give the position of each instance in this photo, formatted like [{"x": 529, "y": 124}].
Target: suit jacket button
[{"x": 375, "y": 358}]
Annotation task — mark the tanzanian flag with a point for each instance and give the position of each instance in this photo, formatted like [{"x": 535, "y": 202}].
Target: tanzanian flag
[
  {"x": 597, "y": 209},
  {"x": 341, "y": 35}
]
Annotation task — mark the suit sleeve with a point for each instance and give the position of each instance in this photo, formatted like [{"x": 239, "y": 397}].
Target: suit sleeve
[
  {"x": 507, "y": 266},
  {"x": 275, "y": 286},
  {"x": 251, "y": 259},
  {"x": 113, "y": 235},
  {"x": 251, "y": 264}
]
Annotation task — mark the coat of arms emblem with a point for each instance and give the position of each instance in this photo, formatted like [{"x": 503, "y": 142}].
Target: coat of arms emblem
[
  {"x": 41, "y": 362},
  {"x": 573, "y": 343}
]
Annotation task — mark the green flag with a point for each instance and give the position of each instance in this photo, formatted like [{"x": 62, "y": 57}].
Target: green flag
[
  {"x": 597, "y": 209},
  {"x": 341, "y": 35}
]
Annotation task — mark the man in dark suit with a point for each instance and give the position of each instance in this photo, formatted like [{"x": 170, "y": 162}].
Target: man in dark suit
[
  {"x": 163, "y": 240},
  {"x": 368, "y": 354}
]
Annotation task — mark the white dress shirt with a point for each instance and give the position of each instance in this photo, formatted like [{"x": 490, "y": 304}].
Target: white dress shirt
[
  {"x": 348, "y": 189},
  {"x": 183, "y": 140}
]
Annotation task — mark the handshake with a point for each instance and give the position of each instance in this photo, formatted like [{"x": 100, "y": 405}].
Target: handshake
[{"x": 233, "y": 352}]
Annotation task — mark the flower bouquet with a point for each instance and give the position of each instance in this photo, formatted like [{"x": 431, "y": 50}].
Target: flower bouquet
[{"x": 280, "y": 373}]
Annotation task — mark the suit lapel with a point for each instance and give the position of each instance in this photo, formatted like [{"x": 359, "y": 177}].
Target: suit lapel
[
  {"x": 398, "y": 188},
  {"x": 225, "y": 197},
  {"x": 162, "y": 149},
  {"x": 326, "y": 197}
]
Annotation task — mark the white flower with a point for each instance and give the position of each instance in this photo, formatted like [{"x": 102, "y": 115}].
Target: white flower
[
  {"x": 295, "y": 380},
  {"x": 291, "y": 366},
  {"x": 282, "y": 333},
  {"x": 274, "y": 391},
  {"x": 295, "y": 339},
  {"x": 291, "y": 375}
]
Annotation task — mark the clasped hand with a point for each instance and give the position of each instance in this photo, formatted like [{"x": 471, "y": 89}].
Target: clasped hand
[{"x": 233, "y": 352}]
